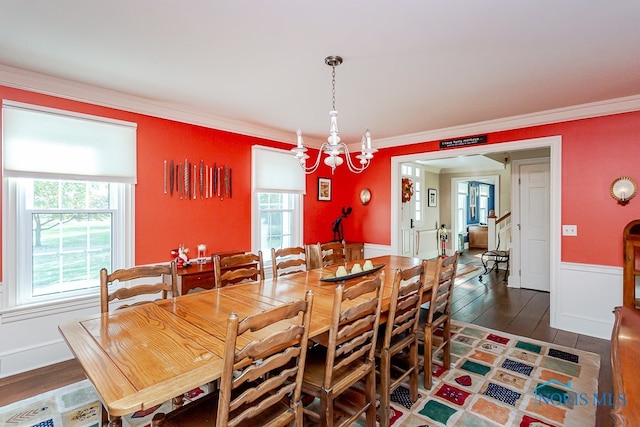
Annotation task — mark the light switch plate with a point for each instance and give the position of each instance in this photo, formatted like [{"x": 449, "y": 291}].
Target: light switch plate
[{"x": 569, "y": 230}]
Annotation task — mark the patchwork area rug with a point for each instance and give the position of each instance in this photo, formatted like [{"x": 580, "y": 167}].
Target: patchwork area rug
[
  {"x": 76, "y": 405},
  {"x": 498, "y": 379}
]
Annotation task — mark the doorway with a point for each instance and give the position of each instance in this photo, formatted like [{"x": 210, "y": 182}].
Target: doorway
[{"x": 553, "y": 143}]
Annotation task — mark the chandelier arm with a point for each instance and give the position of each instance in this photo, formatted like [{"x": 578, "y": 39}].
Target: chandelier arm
[
  {"x": 352, "y": 167},
  {"x": 315, "y": 166}
]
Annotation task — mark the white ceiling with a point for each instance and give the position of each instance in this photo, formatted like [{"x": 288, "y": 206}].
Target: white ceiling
[{"x": 411, "y": 67}]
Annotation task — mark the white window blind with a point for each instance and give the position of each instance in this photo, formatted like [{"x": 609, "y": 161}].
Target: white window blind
[
  {"x": 42, "y": 142},
  {"x": 276, "y": 171}
]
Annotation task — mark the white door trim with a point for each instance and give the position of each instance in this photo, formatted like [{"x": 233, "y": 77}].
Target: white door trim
[{"x": 555, "y": 145}]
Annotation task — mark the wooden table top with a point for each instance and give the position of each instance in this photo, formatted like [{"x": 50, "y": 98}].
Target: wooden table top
[{"x": 145, "y": 355}]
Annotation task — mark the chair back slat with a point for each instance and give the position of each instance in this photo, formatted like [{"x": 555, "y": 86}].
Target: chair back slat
[
  {"x": 164, "y": 280},
  {"x": 268, "y": 370},
  {"x": 331, "y": 253},
  {"x": 442, "y": 291},
  {"x": 237, "y": 268},
  {"x": 289, "y": 260},
  {"x": 354, "y": 325}
]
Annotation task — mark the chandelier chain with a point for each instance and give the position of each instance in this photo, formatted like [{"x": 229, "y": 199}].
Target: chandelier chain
[
  {"x": 333, "y": 85},
  {"x": 334, "y": 148}
]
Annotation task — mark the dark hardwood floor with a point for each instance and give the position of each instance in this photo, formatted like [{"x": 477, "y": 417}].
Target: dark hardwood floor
[{"x": 487, "y": 303}]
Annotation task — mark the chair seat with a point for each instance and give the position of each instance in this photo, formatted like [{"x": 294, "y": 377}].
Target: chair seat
[
  {"x": 314, "y": 372},
  {"x": 497, "y": 257},
  {"x": 203, "y": 413}
]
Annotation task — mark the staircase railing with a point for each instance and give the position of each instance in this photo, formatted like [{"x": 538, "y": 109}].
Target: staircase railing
[{"x": 499, "y": 231}]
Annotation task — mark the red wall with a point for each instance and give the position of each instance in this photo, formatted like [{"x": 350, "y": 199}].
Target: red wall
[
  {"x": 594, "y": 152},
  {"x": 163, "y": 222}
]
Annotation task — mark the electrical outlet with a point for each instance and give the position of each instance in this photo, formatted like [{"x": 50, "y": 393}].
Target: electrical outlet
[{"x": 569, "y": 230}]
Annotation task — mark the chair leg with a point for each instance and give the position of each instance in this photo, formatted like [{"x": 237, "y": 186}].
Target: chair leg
[
  {"x": 427, "y": 358},
  {"x": 370, "y": 386},
  {"x": 385, "y": 392},
  {"x": 446, "y": 350},
  {"x": 326, "y": 408},
  {"x": 414, "y": 375}
]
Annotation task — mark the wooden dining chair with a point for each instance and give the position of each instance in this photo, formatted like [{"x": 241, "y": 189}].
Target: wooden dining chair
[
  {"x": 344, "y": 357},
  {"x": 289, "y": 260},
  {"x": 438, "y": 317},
  {"x": 331, "y": 253},
  {"x": 164, "y": 280},
  {"x": 237, "y": 268},
  {"x": 167, "y": 283},
  {"x": 397, "y": 349},
  {"x": 261, "y": 381}
]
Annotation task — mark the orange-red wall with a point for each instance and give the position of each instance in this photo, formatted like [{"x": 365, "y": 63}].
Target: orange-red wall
[
  {"x": 594, "y": 152},
  {"x": 163, "y": 222}
]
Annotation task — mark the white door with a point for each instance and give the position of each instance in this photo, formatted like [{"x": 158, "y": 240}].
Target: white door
[
  {"x": 408, "y": 228},
  {"x": 534, "y": 226}
]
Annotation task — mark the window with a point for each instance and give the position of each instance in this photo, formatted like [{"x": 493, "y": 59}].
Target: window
[
  {"x": 484, "y": 203},
  {"x": 67, "y": 204},
  {"x": 66, "y": 232},
  {"x": 414, "y": 173},
  {"x": 279, "y": 221},
  {"x": 278, "y": 186}
]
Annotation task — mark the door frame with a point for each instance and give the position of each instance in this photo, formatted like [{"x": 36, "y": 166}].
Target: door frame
[{"x": 554, "y": 143}]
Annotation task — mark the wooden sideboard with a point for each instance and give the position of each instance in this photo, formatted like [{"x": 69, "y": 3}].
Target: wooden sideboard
[
  {"x": 199, "y": 276},
  {"x": 196, "y": 276},
  {"x": 354, "y": 251},
  {"x": 478, "y": 236},
  {"x": 625, "y": 357},
  {"x": 631, "y": 266}
]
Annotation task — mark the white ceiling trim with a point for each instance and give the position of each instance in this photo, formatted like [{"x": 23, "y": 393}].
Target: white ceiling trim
[{"x": 45, "y": 84}]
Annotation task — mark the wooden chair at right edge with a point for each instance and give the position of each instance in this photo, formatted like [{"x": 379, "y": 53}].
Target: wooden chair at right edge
[
  {"x": 438, "y": 316},
  {"x": 261, "y": 381},
  {"x": 397, "y": 349}
]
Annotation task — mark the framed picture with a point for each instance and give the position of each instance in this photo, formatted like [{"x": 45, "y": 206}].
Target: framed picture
[
  {"x": 432, "y": 198},
  {"x": 324, "y": 189}
]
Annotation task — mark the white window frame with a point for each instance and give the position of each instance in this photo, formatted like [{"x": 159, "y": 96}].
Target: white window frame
[
  {"x": 15, "y": 264},
  {"x": 13, "y": 307}
]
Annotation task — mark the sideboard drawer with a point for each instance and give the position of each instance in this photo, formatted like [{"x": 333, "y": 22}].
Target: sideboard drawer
[{"x": 203, "y": 280}]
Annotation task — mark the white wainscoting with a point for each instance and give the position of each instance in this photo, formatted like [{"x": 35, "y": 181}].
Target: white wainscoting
[
  {"x": 372, "y": 250},
  {"x": 586, "y": 297}
]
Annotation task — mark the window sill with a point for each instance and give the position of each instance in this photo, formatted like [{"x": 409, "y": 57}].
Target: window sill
[{"x": 33, "y": 311}]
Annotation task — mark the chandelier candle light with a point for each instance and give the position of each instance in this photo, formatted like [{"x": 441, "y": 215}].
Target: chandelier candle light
[{"x": 334, "y": 148}]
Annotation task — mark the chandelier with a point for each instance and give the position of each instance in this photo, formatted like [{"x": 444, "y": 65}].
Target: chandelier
[{"x": 334, "y": 148}]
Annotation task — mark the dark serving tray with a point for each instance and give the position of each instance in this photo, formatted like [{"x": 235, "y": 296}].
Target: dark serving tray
[{"x": 333, "y": 278}]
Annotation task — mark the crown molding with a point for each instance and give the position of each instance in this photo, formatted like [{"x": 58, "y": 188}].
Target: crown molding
[
  {"x": 575, "y": 112},
  {"x": 54, "y": 86},
  {"x": 48, "y": 85}
]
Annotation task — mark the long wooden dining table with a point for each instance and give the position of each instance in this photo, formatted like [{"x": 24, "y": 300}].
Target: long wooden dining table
[{"x": 144, "y": 355}]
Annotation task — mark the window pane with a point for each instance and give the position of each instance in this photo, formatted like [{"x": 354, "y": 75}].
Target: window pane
[{"x": 69, "y": 250}]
